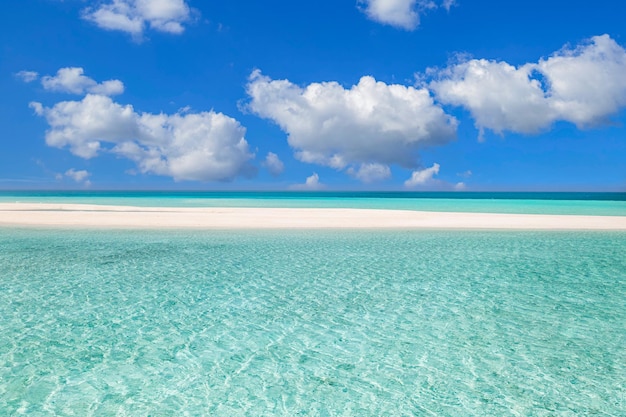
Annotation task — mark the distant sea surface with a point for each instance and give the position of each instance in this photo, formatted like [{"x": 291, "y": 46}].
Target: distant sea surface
[
  {"x": 604, "y": 204},
  {"x": 315, "y": 323}
]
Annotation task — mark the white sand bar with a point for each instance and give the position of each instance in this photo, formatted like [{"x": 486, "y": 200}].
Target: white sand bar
[{"x": 96, "y": 216}]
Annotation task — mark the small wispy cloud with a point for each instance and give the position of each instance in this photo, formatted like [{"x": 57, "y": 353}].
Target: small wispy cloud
[
  {"x": 422, "y": 177},
  {"x": 78, "y": 176},
  {"x": 136, "y": 16},
  {"x": 73, "y": 80},
  {"x": 27, "y": 76},
  {"x": 425, "y": 179},
  {"x": 312, "y": 183},
  {"x": 273, "y": 164},
  {"x": 370, "y": 172},
  {"x": 465, "y": 174},
  {"x": 403, "y": 14}
]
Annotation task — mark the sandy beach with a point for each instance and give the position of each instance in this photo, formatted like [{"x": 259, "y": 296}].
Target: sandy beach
[{"x": 101, "y": 216}]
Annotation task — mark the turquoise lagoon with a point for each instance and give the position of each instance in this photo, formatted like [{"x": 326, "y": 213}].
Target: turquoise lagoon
[
  {"x": 603, "y": 204},
  {"x": 312, "y": 323}
]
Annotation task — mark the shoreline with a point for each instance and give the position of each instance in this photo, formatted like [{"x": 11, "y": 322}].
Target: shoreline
[{"x": 130, "y": 217}]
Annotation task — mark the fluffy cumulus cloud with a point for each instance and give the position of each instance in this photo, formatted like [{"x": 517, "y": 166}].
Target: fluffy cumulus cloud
[
  {"x": 498, "y": 95},
  {"x": 73, "y": 80},
  {"x": 273, "y": 164},
  {"x": 312, "y": 183},
  {"x": 584, "y": 85},
  {"x": 134, "y": 16},
  {"x": 363, "y": 129},
  {"x": 587, "y": 83},
  {"x": 403, "y": 14},
  {"x": 205, "y": 146}
]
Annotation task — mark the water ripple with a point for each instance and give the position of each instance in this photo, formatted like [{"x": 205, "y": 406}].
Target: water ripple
[{"x": 312, "y": 323}]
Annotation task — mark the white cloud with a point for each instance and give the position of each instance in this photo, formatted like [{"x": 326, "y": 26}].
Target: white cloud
[
  {"x": 422, "y": 177},
  {"x": 369, "y": 173},
  {"x": 134, "y": 16},
  {"x": 499, "y": 96},
  {"x": 370, "y": 123},
  {"x": 447, "y": 4},
  {"x": 584, "y": 86},
  {"x": 403, "y": 14},
  {"x": 27, "y": 76},
  {"x": 587, "y": 83},
  {"x": 78, "y": 176},
  {"x": 72, "y": 80},
  {"x": 312, "y": 183},
  {"x": 273, "y": 164},
  {"x": 425, "y": 180},
  {"x": 205, "y": 146}
]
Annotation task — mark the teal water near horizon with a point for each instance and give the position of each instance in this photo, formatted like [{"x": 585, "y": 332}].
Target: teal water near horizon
[
  {"x": 312, "y": 323},
  {"x": 602, "y": 204}
]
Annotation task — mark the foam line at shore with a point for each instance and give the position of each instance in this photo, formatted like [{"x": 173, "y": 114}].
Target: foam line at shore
[{"x": 95, "y": 216}]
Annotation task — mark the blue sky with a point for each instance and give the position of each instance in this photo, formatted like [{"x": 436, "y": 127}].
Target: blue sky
[{"x": 374, "y": 94}]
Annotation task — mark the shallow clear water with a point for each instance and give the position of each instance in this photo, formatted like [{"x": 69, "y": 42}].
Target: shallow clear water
[
  {"x": 601, "y": 204},
  {"x": 312, "y": 323}
]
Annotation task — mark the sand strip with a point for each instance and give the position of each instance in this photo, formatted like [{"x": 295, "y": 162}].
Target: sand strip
[{"x": 95, "y": 216}]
